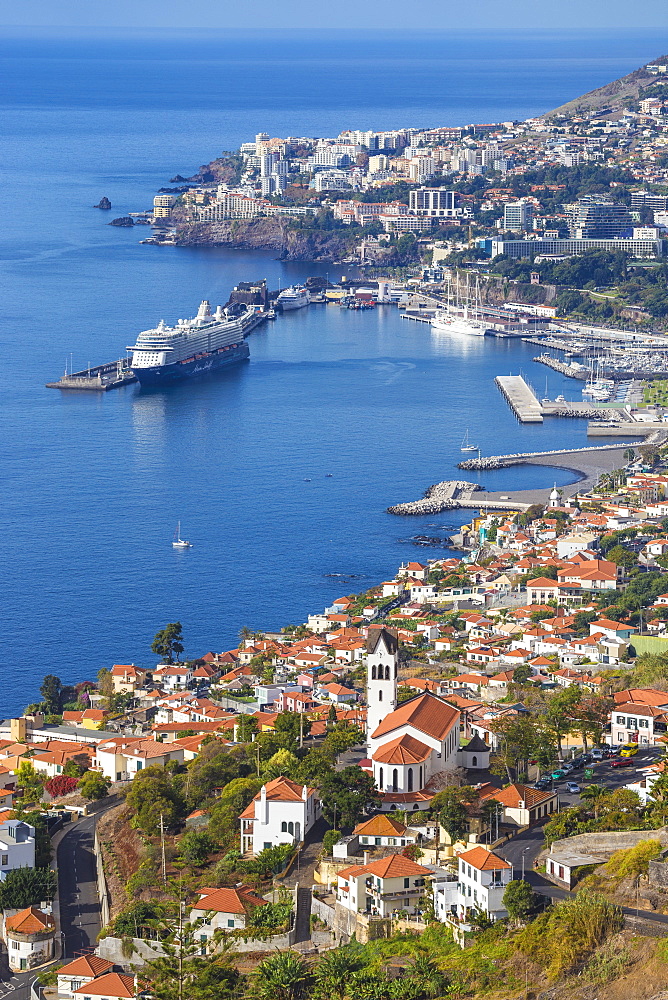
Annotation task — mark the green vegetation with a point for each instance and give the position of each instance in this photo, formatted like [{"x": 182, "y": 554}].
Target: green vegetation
[
  {"x": 27, "y": 887},
  {"x": 168, "y": 642}
]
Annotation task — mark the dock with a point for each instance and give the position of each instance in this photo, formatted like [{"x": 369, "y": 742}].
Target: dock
[
  {"x": 521, "y": 398},
  {"x": 99, "y": 378}
]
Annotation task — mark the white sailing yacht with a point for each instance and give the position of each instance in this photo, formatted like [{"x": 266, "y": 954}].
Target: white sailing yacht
[
  {"x": 450, "y": 321},
  {"x": 180, "y": 543},
  {"x": 466, "y": 446}
]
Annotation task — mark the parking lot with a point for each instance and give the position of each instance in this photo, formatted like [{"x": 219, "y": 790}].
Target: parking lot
[{"x": 606, "y": 775}]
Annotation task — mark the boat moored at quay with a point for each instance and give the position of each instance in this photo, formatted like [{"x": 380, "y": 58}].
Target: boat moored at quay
[
  {"x": 293, "y": 298},
  {"x": 192, "y": 347}
]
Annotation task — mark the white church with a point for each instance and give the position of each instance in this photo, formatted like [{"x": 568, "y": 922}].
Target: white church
[{"x": 409, "y": 745}]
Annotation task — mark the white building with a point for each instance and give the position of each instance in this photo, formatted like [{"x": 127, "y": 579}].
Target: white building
[
  {"x": 224, "y": 910},
  {"x": 483, "y": 878},
  {"x": 82, "y": 970},
  {"x": 120, "y": 759},
  {"x": 383, "y": 887},
  {"x": 17, "y": 846},
  {"x": 30, "y": 936},
  {"x": 518, "y": 215},
  {"x": 282, "y": 812},
  {"x": 410, "y": 744}
]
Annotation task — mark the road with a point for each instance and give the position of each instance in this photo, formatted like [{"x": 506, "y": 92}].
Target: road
[
  {"x": 79, "y": 904},
  {"x": 77, "y": 887}
]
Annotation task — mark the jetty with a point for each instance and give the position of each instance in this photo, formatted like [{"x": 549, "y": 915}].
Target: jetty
[
  {"x": 99, "y": 378},
  {"x": 451, "y": 495},
  {"x": 521, "y": 398},
  {"x": 521, "y": 458}
]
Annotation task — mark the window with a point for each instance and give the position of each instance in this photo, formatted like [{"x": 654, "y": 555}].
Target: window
[
  {"x": 380, "y": 696},
  {"x": 230, "y": 923},
  {"x": 387, "y": 673},
  {"x": 15, "y": 945},
  {"x": 410, "y": 779},
  {"x": 643, "y": 723},
  {"x": 5, "y": 860},
  {"x": 395, "y": 779},
  {"x": 407, "y": 883},
  {"x": 621, "y": 720},
  {"x": 364, "y": 840},
  {"x": 380, "y": 775},
  {"x": 139, "y": 765},
  {"x": 373, "y": 673},
  {"x": 284, "y": 827}
]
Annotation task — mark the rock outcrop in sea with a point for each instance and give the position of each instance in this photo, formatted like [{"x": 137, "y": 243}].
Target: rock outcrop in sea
[{"x": 103, "y": 203}]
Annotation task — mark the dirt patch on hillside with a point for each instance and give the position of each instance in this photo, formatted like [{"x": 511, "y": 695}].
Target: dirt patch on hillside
[{"x": 122, "y": 852}]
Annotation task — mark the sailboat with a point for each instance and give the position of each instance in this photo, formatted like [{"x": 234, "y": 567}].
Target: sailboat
[
  {"x": 180, "y": 543},
  {"x": 466, "y": 446}
]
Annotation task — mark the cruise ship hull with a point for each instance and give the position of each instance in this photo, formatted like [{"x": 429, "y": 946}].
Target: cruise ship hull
[
  {"x": 192, "y": 367},
  {"x": 460, "y": 326}
]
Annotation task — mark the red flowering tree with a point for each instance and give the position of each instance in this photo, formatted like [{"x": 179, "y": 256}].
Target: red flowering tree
[{"x": 62, "y": 784}]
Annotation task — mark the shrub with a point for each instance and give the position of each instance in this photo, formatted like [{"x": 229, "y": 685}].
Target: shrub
[{"x": 62, "y": 784}]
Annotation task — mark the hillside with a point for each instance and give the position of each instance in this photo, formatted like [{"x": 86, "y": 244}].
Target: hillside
[{"x": 613, "y": 95}]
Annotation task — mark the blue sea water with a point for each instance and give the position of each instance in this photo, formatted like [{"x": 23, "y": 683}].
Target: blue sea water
[{"x": 280, "y": 471}]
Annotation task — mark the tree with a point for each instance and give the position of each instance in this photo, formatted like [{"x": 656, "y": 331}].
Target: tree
[
  {"x": 94, "y": 785},
  {"x": 347, "y": 794},
  {"x": 24, "y": 887},
  {"x": 29, "y": 781},
  {"x": 594, "y": 795},
  {"x": 633, "y": 862},
  {"x": 183, "y": 972},
  {"x": 334, "y": 969},
  {"x": 622, "y": 556},
  {"x": 51, "y": 691},
  {"x": 168, "y": 642},
  {"x": 521, "y": 674},
  {"x": 195, "y": 847},
  {"x": 519, "y": 899},
  {"x": 331, "y": 837},
  {"x": 288, "y": 727},
  {"x": 284, "y": 763},
  {"x": 154, "y": 795},
  {"x": 61, "y": 784},
  {"x": 453, "y": 815},
  {"x": 284, "y": 976},
  {"x": 558, "y": 715},
  {"x": 247, "y": 728}
]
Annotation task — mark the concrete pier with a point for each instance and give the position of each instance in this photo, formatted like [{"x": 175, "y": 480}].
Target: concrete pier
[{"x": 521, "y": 398}]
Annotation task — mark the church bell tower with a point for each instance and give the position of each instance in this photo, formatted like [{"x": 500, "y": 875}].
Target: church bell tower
[{"x": 381, "y": 677}]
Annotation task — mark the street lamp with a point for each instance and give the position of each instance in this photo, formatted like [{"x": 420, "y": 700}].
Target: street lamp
[{"x": 523, "y": 853}]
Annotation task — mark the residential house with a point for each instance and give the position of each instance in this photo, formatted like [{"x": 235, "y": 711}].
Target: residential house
[
  {"x": 483, "y": 879},
  {"x": 383, "y": 887},
  {"x": 30, "y": 938},
  {"x": 111, "y": 986},
  {"x": 81, "y": 971},
  {"x": 223, "y": 910},
  {"x": 383, "y": 831},
  {"x": 282, "y": 812},
  {"x": 522, "y": 805},
  {"x": 17, "y": 846}
]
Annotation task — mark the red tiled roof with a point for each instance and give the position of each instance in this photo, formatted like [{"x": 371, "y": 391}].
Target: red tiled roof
[
  {"x": 483, "y": 860},
  {"x": 404, "y": 750},
  {"x": 427, "y": 713}
]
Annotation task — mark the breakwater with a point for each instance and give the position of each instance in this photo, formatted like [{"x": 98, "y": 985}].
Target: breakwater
[
  {"x": 446, "y": 495},
  {"x": 500, "y": 461}
]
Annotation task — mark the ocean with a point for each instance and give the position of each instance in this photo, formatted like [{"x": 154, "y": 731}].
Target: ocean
[{"x": 281, "y": 469}]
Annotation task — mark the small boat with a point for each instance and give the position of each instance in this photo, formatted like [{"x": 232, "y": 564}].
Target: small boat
[
  {"x": 180, "y": 543},
  {"x": 465, "y": 443}
]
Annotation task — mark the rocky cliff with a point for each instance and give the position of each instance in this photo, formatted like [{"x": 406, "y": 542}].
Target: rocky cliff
[
  {"x": 612, "y": 94},
  {"x": 269, "y": 233}
]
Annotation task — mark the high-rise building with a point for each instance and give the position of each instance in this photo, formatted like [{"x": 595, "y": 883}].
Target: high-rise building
[
  {"x": 597, "y": 217},
  {"x": 647, "y": 199},
  {"x": 518, "y": 216},
  {"x": 434, "y": 202}
]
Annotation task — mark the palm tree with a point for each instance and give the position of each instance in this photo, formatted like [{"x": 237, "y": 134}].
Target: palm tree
[
  {"x": 594, "y": 794},
  {"x": 283, "y": 976},
  {"x": 334, "y": 970}
]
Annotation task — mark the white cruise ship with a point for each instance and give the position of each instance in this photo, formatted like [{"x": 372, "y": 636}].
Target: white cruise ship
[
  {"x": 295, "y": 297},
  {"x": 193, "y": 346}
]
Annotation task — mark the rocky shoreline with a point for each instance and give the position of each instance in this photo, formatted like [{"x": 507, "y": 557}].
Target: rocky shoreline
[
  {"x": 266, "y": 233},
  {"x": 442, "y": 496}
]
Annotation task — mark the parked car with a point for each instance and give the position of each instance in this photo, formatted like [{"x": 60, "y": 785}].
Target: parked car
[
  {"x": 573, "y": 787},
  {"x": 621, "y": 762},
  {"x": 558, "y": 775},
  {"x": 577, "y": 763},
  {"x": 543, "y": 784},
  {"x": 597, "y": 753},
  {"x": 568, "y": 767}
]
